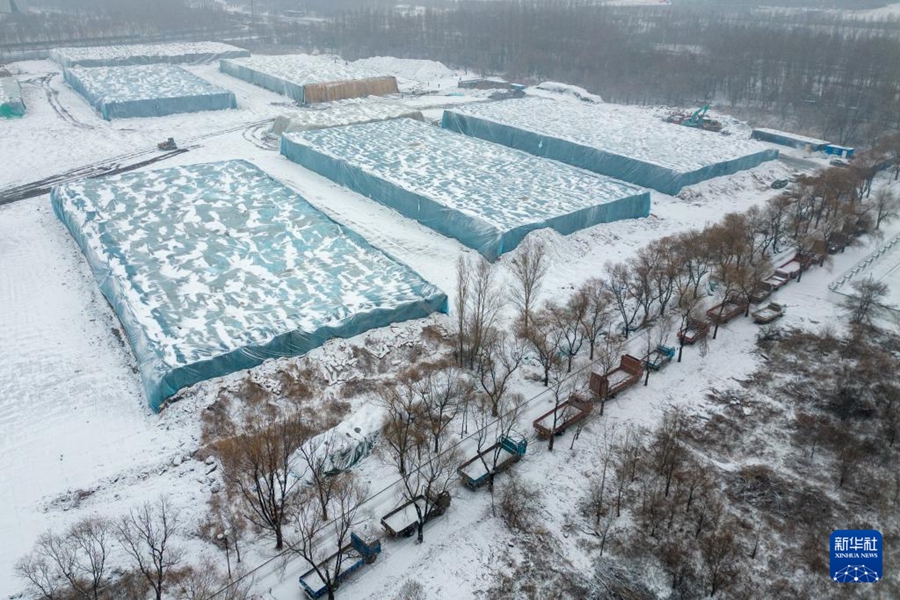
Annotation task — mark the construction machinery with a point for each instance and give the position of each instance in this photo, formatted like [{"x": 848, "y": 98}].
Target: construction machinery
[
  {"x": 698, "y": 120},
  {"x": 169, "y": 144}
]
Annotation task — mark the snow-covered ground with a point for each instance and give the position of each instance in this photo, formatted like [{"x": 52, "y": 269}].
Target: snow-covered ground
[{"x": 77, "y": 438}]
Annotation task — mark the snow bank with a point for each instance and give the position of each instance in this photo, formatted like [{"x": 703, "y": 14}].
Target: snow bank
[
  {"x": 625, "y": 142},
  {"x": 485, "y": 195},
  {"x": 407, "y": 68},
  {"x": 11, "y": 103},
  {"x": 216, "y": 267},
  {"x": 142, "y": 54},
  {"x": 570, "y": 90},
  {"x": 146, "y": 91}
]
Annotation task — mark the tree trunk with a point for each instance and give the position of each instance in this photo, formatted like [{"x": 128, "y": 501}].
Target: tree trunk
[{"x": 279, "y": 538}]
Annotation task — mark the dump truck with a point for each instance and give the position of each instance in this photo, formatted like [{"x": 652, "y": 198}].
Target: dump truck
[
  {"x": 726, "y": 311},
  {"x": 768, "y": 314},
  {"x": 607, "y": 385},
  {"x": 694, "y": 332},
  {"x": 568, "y": 413},
  {"x": 659, "y": 358},
  {"x": 477, "y": 471},
  {"x": 355, "y": 554},
  {"x": 403, "y": 520}
]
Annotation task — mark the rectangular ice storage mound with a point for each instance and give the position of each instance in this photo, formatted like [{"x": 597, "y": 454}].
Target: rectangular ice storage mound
[
  {"x": 485, "y": 195},
  {"x": 145, "y": 54},
  {"x": 11, "y": 103},
  {"x": 624, "y": 142},
  {"x": 308, "y": 79},
  {"x": 216, "y": 267},
  {"x": 146, "y": 91}
]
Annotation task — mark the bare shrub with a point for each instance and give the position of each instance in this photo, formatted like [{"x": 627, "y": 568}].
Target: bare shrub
[
  {"x": 519, "y": 503},
  {"x": 411, "y": 590}
]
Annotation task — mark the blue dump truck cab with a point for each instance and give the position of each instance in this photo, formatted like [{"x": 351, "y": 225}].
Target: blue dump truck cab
[
  {"x": 657, "y": 359},
  {"x": 355, "y": 554},
  {"x": 477, "y": 471}
]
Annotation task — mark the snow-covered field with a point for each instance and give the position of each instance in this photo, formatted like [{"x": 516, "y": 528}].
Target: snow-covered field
[
  {"x": 138, "y": 54},
  {"x": 146, "y": 90},
  {"x": 76, "y": 435},
  {"x": 485, "y": 195}
]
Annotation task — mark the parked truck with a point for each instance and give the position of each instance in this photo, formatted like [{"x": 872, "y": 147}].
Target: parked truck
[
  {"x": 477, "y": 471},
  {"x": 726, "y": 311},
  {"x": 607, "y": 385},
  {"x": 568, "y": 413},
  {"x": 403, "y": 520},
  {"x": 695, "y": 331},
  {"x": 659, "y": 358},
  {"x": 355, "y": 554},
  {"x": 768, "y": 314}
]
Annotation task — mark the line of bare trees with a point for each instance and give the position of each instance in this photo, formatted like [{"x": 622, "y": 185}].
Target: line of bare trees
[{"x": 833, "y": 77}]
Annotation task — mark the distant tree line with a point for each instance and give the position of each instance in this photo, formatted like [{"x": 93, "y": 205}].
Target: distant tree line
[{"x": 831, "y": 76}]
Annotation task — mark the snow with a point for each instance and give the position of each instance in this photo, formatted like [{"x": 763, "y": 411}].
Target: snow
[
  {"x": 342, "y": 112},
  {"x": 210, "y": 260},
  {"x": 565, "y": 89},
  {"x": 477, "y": 468},
  {"x": 633, "y": 132},
  {"x": 618, "y": 376},
  {"x": 405, "y": 517},
  {"x": 137, "y": 90},
  {"x": 499, "y": 189},
  {"x": 183, "y": 52},
  {"x": 74, "y": 418}
]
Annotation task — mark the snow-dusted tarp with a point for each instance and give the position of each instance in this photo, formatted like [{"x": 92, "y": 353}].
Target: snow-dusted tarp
[
  {"x": 11, "y": 103},
  {"x": 146, "y": 91},
  {"x": 785, "y": 138},
  {"x": 485, "y": 195},
  {"x": 342, "y": 112},
  {"x": 628, "y": 143},
  {"x": 145, "y": 54},
  {"x": 216, "y": 267},
  {"x": 308, "y": 78}
]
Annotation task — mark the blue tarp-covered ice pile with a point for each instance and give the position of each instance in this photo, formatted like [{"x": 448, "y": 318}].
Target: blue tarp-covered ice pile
[
  {"x": 216, "y": 267},
  {"x": 310, "y": 78},
  {"x": 11, "y": 103},
  {"x": 144, "y": 54},
  {"x": 146, "y": 91},
  {"x": 624, "y": 142},
  {"x": 486, "y": 196}
]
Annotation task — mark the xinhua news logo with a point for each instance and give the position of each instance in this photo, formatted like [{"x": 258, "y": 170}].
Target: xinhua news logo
[{"x": 856, "y": 556}]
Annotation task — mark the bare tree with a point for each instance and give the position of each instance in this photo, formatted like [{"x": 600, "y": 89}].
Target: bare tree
[
  {"x": 657, "y": 336},
  {"x": 310, "y": 457},
  {"x": 402, "y": 429},
  {"x": 484, "y": 301},
  {"x": 256, "y": 465},
  {"x": 720, "y": 553},
  {"x": 609, "y": 352},
  {"x": 562, "y": 386},
  {"x": 313, "y": 535},
  {"x": 545, "y": 337},
  {"x": 461, "y": 304},
  {"x": 443, "y": 390},
  {"x": 75, "y": 561},
  {"x": 529, "y": 267},
  {"x": 862, "y": 305},
  {"x": 567, "y": 319},
  {"x": 885, "y": 204},
  {"x": 595, "y": 318},
  {"x": 620, "y": 283},
  {"x": 146, "y": 535},
  {"x": 500, "y": 359}
]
